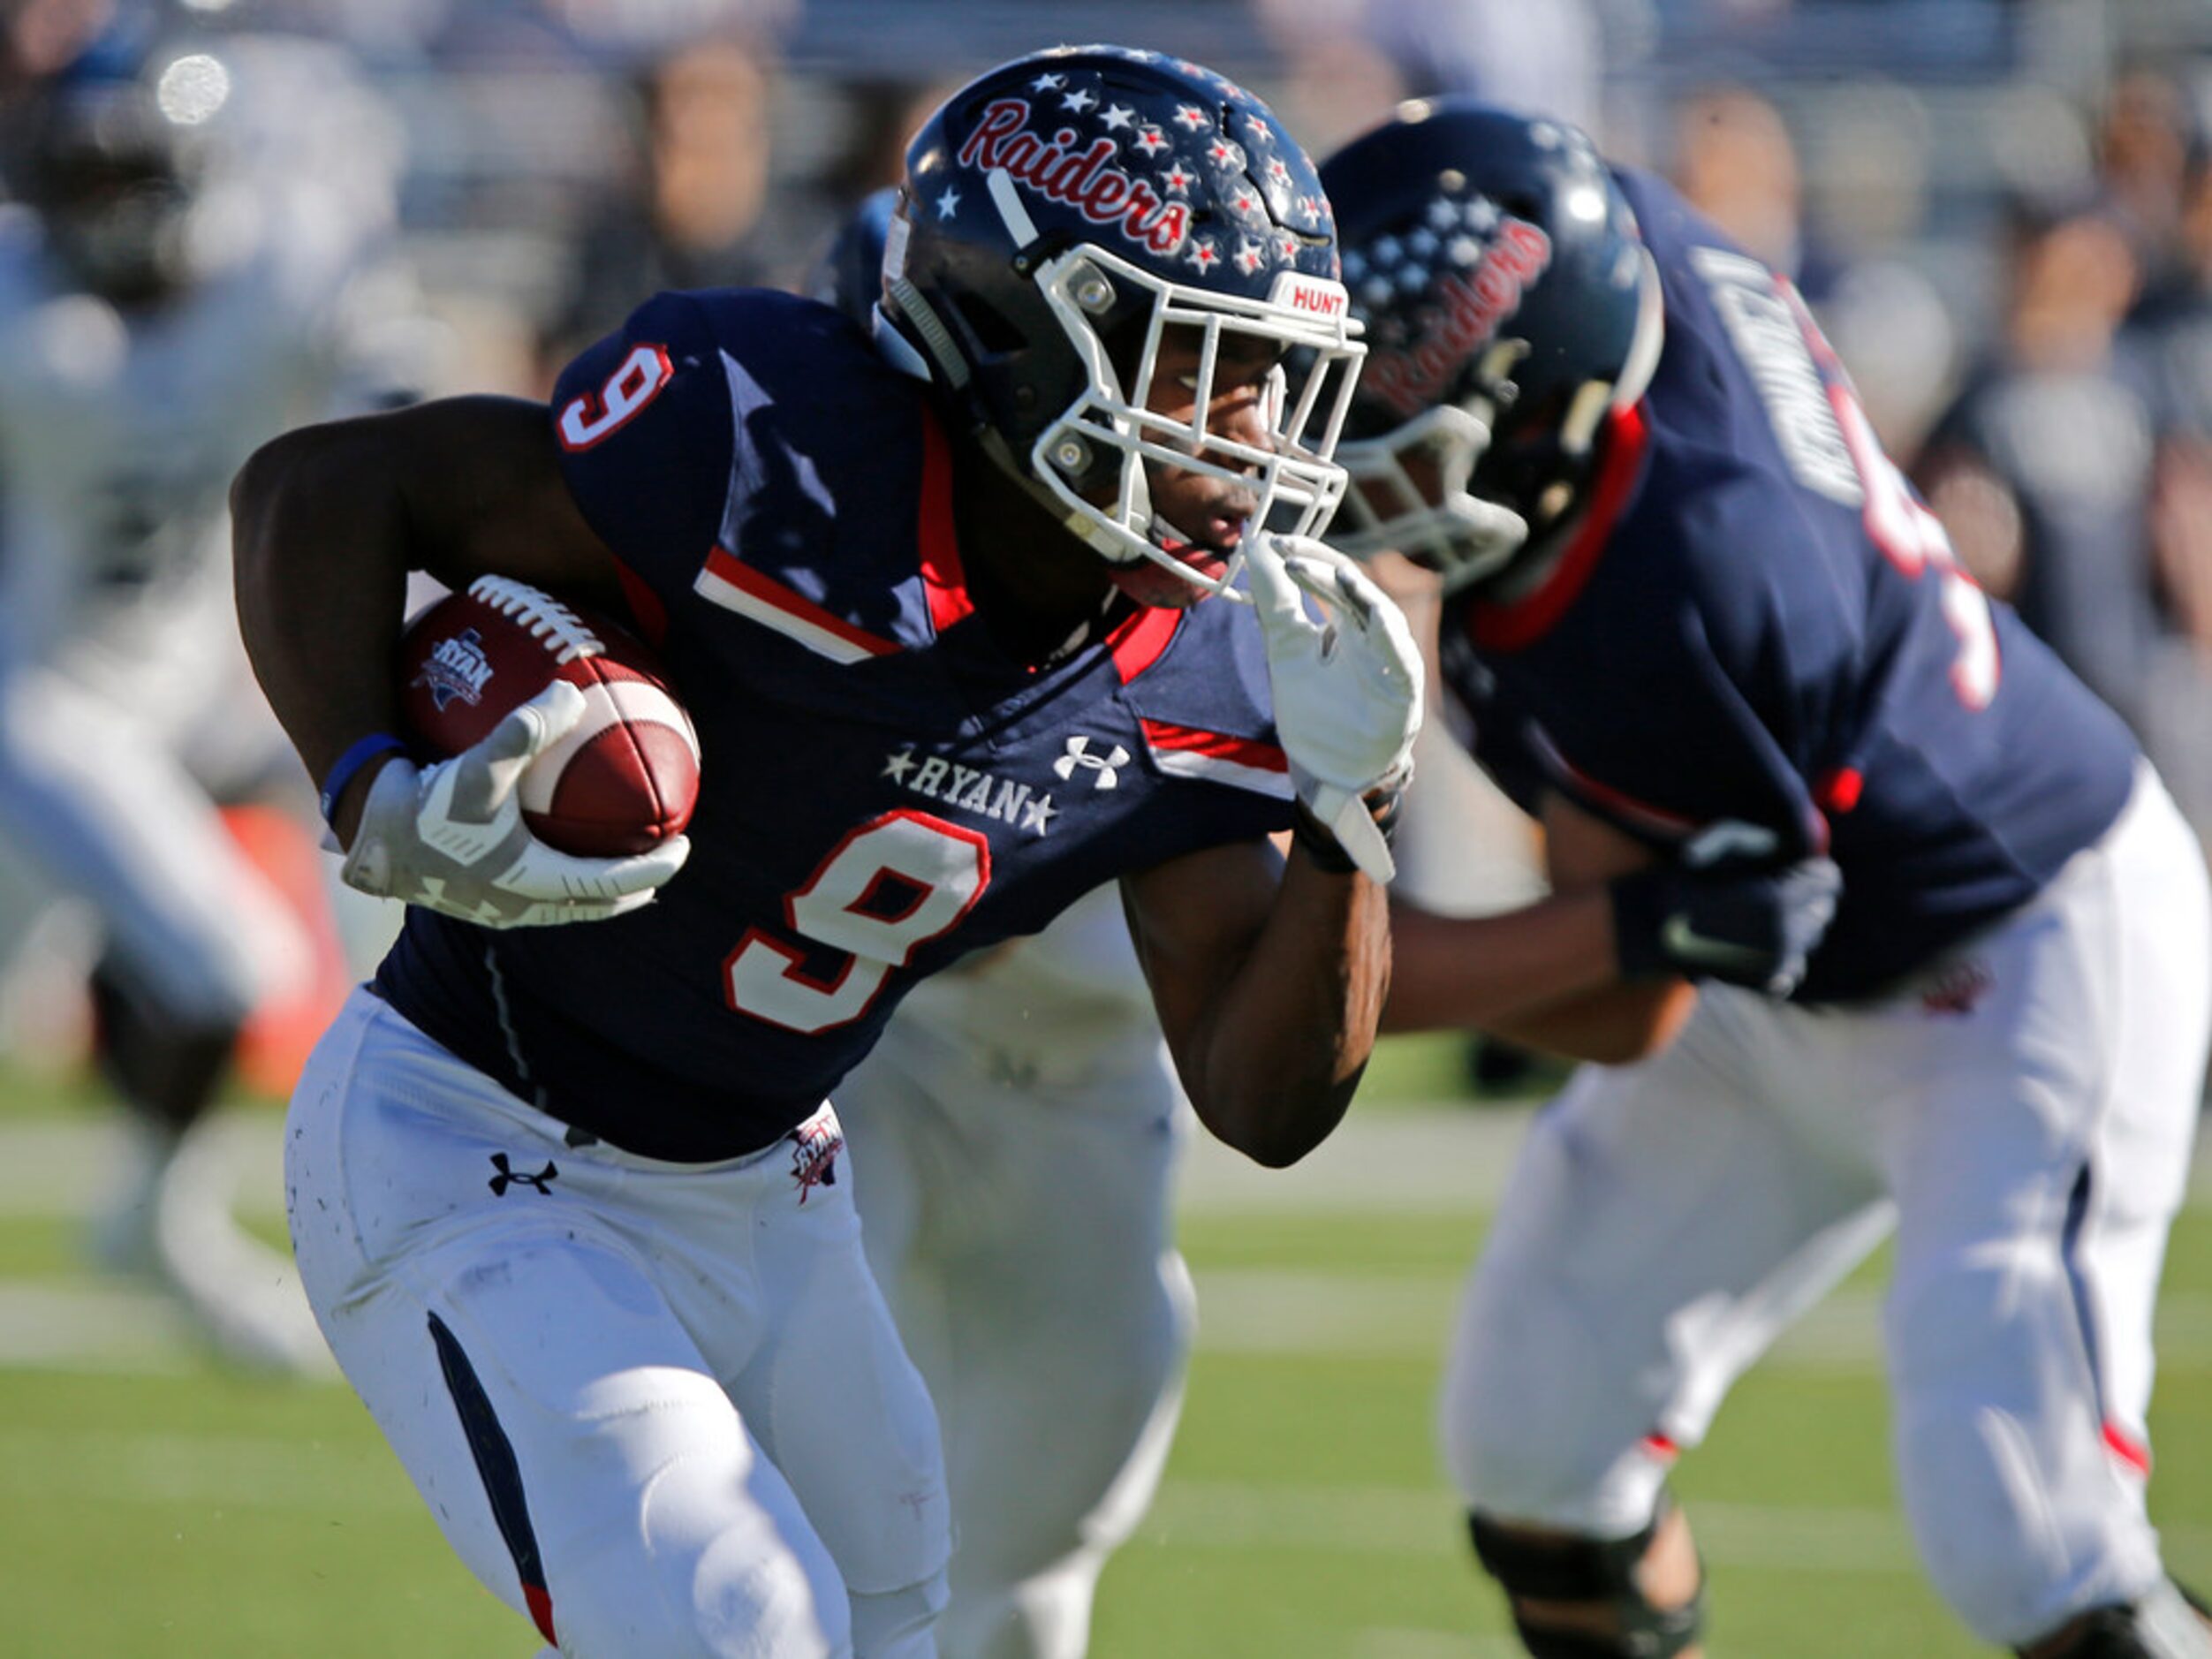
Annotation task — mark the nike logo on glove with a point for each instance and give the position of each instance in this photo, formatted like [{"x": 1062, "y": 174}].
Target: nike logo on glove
[{"x": 1685, "y": 942}]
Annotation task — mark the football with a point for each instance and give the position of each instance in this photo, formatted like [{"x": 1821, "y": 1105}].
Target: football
[{"x": 624, "y": 779}]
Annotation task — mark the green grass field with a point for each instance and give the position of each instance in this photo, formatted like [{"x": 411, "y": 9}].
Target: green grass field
[{"x": 153, "y": 1507}]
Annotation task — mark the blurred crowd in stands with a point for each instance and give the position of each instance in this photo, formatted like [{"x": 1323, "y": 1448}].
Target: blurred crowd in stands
[{"x": 2000, "y": 210}]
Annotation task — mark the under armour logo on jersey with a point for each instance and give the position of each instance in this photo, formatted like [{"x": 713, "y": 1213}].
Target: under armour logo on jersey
[
  {"x": 509, "y": 1176},
  {"x": 1106, "y": 768}
]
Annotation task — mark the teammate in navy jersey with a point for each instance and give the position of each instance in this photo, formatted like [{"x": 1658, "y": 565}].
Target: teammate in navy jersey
[
  {"x": 567, "y": 1199},
  {"x": 1694, "y": 613}
]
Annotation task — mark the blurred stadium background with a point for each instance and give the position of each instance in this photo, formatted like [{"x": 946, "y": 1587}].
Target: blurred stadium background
[{"x": 2002, "y": 211}]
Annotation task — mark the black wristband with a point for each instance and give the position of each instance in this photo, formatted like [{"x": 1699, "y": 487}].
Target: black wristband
[
  {"x": 1322, "y": 847},
  {"x": 1642, "y": 902},
  {"x": 1325, "y": 852}
]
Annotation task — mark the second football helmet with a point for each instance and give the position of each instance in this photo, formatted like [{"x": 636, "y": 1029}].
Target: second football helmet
[
  {"x": 110, "y": 170},
  {"x": 1510, "y": 308},
  {"x": 1060, "y": 215}
]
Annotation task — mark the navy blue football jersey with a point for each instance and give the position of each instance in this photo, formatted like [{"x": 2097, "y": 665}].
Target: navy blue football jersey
[
  {"x": 1760, "y": 621},
  {"x": 883, "y": 789}
]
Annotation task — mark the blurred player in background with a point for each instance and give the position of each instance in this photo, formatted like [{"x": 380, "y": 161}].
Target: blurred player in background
[
  {"x": 184, "y": 274},
  {"x": 1018, "y": 1122},
  {"x": 1693, "y": 606}
]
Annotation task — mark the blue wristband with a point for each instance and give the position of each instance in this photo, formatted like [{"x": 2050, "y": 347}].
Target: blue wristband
[{"x": 363, "y": 751}]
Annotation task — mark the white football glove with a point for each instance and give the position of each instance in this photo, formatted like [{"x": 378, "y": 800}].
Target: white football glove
[
  {"x": 1347, "y": 689},
  {"x": 450, "y": 837}
]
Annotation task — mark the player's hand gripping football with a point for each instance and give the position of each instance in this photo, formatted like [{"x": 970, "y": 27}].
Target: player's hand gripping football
[
  {"x": 450, "y": 837},
  {"x": 1347, "y": 689},
  {"x": 1730, "y": 908}
]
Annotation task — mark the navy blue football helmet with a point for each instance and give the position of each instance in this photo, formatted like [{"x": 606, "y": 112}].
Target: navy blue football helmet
[
  {"x": 849, "y": 274},
  {"x": 1510, "y": 308},
  {"x": 1064, "y": 211},
  {"x": 110, "y": 168}
]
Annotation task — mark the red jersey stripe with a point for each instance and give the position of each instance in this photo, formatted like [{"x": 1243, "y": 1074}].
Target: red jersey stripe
[{"x": 770, "y": 600}]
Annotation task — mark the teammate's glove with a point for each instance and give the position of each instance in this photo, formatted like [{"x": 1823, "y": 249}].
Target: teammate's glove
[
  {"x": 450, "y": 837},
  {"x": 1347, "y": 690},
  {"x": 1728, "y": 910}
]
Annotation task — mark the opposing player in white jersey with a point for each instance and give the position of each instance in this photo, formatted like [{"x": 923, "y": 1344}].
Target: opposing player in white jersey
[
  {"x": 1019, "y": 1121},
  {"x": 171, "y": 294}
]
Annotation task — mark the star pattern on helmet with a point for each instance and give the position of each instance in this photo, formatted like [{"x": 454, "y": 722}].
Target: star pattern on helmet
[
  {"x": 1451, "y": 233},
  {"x": 1179, "y": 145}
]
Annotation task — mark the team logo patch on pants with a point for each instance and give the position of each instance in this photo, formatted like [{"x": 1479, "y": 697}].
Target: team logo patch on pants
[{"x": 815, "y": 1148}]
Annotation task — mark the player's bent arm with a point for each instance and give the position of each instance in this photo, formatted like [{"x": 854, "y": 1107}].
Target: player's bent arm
[
  {"x": 1545, "y": 975},
  {"x": 328, "y": 521},
  {"x": 1269, "y": 982}
]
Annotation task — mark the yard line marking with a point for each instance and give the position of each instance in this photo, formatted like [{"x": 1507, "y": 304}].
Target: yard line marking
[
  {"x": 1404, "y": 1521},
  {"x": 1450, "y": 1159},
  {"x": 274, "y": 1471},
  {"x": 249, "y": 1472},
  {"x": 91, "y": 1328},
  {"x": 1409, "y": 1315},
  {"x": 80, "y": 1326}
]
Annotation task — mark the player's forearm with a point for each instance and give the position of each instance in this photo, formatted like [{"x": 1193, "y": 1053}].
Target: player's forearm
[
  {"x": 321, "y": 566},
  {"x": 1294, "y": 1027},
  {"x": 1475, "y": 972},
  {"x": 1613, "y": 1025}
]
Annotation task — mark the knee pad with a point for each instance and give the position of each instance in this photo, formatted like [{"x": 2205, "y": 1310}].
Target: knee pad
[
  {"x": 1596, "y": 1571},
  {"x": 166, "y": 1068},
  {"x": 2167, "y": 1624}
]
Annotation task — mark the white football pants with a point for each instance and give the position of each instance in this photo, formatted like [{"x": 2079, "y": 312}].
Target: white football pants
[
  {"x": 1017, "y": 1130},
  {"x": 2022, "y": 1114},
  {"x": 96, "y": 798},
  {"x": 659, "y": 1408}
]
